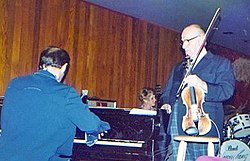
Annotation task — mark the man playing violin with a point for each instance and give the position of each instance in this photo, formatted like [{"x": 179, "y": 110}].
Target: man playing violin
[{"x": 211, "y": 73}]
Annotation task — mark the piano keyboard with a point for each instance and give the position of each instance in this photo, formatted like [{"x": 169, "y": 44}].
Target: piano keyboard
[{"x": 112, "y": 142}]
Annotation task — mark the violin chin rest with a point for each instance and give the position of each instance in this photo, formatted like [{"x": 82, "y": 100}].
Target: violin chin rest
[
  {"x": 192, "y": 131},
  {"x": 188, "y": 126}
]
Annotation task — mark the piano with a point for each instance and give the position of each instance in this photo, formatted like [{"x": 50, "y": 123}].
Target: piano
[{"x": 133, "y": 137}]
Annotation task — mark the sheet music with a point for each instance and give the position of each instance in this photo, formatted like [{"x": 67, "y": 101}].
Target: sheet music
[{"x": 138, "y": 111}]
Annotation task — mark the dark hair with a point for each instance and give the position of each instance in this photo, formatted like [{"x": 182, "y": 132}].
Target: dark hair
[
  {"x": 145, "y": 93},
  {"x": 54, "y": 56}
]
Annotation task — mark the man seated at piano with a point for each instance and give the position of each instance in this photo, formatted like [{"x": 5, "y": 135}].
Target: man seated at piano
[{"x": 40, "y": 113}]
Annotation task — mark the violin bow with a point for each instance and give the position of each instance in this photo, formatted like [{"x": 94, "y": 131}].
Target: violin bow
[{"x": 210, "y": 27}]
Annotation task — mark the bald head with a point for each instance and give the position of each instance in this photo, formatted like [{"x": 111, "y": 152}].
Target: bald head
[
  {"x": 192, "y": 37},
  {"x": 193, "y": 30}
]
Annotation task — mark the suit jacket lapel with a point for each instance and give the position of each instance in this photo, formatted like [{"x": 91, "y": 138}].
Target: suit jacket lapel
[{"x": 203, "y": 63}]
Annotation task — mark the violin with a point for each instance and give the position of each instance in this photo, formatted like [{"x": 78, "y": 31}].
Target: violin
[
  {"x": 193, "y": 99},
  {"x": 195, "y": 121}
]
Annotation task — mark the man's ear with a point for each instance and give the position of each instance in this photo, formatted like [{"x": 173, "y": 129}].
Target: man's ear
[
  {"x": 64, "y": 67},
  {"x": 43, "y": 66}
]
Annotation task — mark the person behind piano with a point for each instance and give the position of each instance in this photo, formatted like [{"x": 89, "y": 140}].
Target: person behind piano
[
  {"x": 40, "y": 113},
  {"x": 213, "y": 73},
  {"x": 148, "y": 101},
  {"x": 147, "y": 98}
]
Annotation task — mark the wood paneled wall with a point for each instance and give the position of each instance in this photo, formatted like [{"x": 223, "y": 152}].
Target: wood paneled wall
[{"x": 113, "y": 55}]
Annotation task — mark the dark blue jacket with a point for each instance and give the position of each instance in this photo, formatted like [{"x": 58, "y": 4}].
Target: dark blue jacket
[
  {"x": 218, "y": 73},
  {"x": 39, "y": 119}
]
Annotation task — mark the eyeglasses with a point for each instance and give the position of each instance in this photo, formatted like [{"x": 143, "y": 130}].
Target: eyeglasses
[{"x": 187, "y": 40}]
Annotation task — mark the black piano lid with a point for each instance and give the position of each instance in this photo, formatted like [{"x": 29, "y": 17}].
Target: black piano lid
[{"x": 125, "y": 126}]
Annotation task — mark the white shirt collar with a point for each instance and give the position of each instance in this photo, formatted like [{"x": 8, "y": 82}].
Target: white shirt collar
[{"x": 200, "y": 56}]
